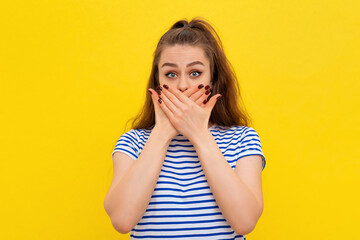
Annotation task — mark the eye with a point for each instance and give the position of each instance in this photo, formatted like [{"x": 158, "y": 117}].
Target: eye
[
  {"x": 167, "y": 74},
  {"x": 196, "y": 72}
]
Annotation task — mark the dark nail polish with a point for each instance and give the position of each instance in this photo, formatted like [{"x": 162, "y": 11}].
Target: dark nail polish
[
  {"x": 159, "y": 92},
  {"x": 204, "y": 101},
  {"x": 200, "y": 86},
  {"x": 207, "y": 87},
  {"x": 166, "y": 86},
  {"x": 150, "y": 91},
  {"x": 160, "y": 100},
  {"x": 207, "y": 92},
  {"x": 158, "y": 88}
]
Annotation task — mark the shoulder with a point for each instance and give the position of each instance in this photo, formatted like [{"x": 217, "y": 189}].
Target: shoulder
[
  {"x": 138, "y": 133},
  {"x": 137, "y": 137},
  {"x": 142, "y": 134},
  {"x": 235, "y": 134},
  {"x": 235, "y": 131}
]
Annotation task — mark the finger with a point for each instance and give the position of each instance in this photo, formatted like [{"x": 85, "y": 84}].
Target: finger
[
  {"x": 199, "y": 97},
  {"x": 154, "y": 96},
  {"x": 213, "y": 100},
  {"x": 176, "y": 97},
  {"x": 196, "y": 95},
  {"x": 194, "y": 89},
  {"x": 164, "y": 107},
  {"x": 203, "y": 98},
  {"x": 170, "y": 105}
]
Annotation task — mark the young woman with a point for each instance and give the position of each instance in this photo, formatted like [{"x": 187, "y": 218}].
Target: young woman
[{"x": 190, "y": 167}]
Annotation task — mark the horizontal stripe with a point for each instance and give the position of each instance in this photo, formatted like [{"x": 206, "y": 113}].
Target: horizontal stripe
[
  {"x": 179, "y": 229},
  {"x": 182, "y": 236},
  {"x": 176, "y": 196},
  {"x": 183, "y": 185},
  {"x": 190, "y": 202},
  {"x": 184, "y": 222},
  {"x": 181, "y": 209},
  {"x": 183, "y": 216},
  {"x": 181, "y": 190}
]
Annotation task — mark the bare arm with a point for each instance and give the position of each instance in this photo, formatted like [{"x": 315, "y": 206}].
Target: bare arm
[
  {"x": 127, "y": 202},
  {"x": 238, "y": 193}
]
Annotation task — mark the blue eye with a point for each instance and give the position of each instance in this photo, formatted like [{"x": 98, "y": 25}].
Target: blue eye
[
  {"x": 167, "y": 74},
  {"x": 197, "y": 72}
]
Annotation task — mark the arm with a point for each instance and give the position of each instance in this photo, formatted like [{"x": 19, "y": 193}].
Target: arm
[
  {"x": 126, "y": 203},
  {"x": 240, "y": 204}
]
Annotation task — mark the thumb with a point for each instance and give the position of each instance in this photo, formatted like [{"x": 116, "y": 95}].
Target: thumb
[{"x": 213, "y": 100}]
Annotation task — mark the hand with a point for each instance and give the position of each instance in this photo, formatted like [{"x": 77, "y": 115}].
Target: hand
[
  {"x": 188, "y": 117},
  {"x": 195, "y": 94}
]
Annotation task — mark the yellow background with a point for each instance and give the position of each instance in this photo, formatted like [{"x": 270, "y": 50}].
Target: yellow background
[{"x": 73, "y": 72}]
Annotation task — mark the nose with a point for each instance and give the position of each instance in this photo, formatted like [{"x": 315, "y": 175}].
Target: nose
[
  {"x": 183, "y": 84},
  {"x": 182, "y": 89}
]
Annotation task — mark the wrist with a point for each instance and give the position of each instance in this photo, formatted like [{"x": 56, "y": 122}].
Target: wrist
[
  {"x": 162, "y": 134},
  {"x": 200, "y": 136}
]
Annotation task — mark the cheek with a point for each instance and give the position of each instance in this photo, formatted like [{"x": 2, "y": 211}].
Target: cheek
[
  {"x": 162, "y": 79},
  {"x": 207, "y": 78}
]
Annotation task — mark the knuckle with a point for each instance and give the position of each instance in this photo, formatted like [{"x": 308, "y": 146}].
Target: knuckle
[
  {"x": 176, "y": 121},
  {"x": 177, "y": 116},
  {"x": 192, "y": 106}
]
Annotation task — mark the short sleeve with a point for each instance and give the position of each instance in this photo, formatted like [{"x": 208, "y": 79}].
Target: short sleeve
[
  {"x": 128, "y": 144},
  {"x": 250, "y": 144}
]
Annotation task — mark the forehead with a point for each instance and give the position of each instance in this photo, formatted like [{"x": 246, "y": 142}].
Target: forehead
[{"x": 182, "y": 53}]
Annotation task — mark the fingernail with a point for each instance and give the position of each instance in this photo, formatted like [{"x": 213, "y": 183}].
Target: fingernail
[
  {"x": 150, "y": 91},
  {"x": 200, "y": 86},
  {"x": 166, "y": 86},
  {"x": 160, "y": 100},
  {"x": 204, "y": 101},
  {"x": 207, "y": 92},
  {"x": 159, "y": 88},
  {"x": 218, "y": 97},
  {"x": 207, "y": 87},
  {"x": 159, "y": 92}
]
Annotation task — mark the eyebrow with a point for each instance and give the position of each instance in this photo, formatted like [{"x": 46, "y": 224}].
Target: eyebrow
[{"x": 188, "y": 65}]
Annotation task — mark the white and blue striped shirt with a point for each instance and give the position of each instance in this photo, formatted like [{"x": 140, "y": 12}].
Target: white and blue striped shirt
[{"x": 182, "y": 205}]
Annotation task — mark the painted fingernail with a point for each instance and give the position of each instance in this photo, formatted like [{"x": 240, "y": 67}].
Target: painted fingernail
[
  {"x": 207, "y": 87},
  {"x": 160, "y": 100},
  {"x": 200, "y": 86},
  {"x": 159, "y": 92},
  {"x": 149, "y": 91},
  {"x": 204, "y": 101},
  {"x": 207, "y": 92},
  {"x": 166, "y": 86},
  {"x": 159, "y": 88},
  {"x": 218, "y": 97}
]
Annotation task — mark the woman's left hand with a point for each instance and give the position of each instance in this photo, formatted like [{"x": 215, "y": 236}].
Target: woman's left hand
[{"x": 185, "y": 115}]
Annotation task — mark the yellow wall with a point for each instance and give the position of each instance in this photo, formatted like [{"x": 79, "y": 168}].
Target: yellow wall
[{"x": 73, "y": 72}]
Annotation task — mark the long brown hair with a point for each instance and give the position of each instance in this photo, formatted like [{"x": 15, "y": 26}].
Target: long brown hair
[{"x": 229, "y": 110}]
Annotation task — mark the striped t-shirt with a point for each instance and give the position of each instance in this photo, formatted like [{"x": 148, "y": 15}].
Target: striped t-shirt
[{"x": 182, "y": 205}]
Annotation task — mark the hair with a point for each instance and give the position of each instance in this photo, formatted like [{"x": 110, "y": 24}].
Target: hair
[{"x": 229, "y": 110}]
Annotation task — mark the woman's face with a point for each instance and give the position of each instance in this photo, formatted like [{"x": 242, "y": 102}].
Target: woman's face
[{"x": 183, "y": 66}]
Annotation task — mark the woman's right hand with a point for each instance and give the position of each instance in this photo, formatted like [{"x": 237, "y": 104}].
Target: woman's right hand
[{"x": 196, "y": 93}]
